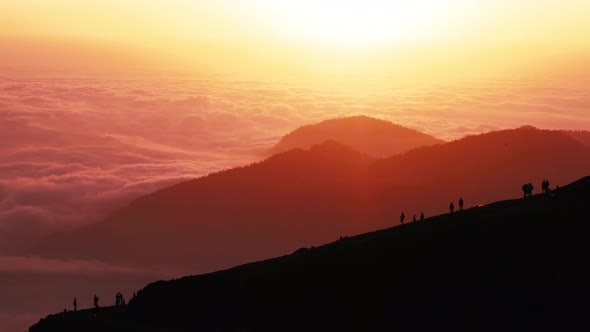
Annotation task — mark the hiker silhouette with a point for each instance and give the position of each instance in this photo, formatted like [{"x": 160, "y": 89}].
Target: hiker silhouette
[
  {"x": 401, "y": 218},
  {"x": 95, "y": 301},
  {"x": 421, "y": 216},
  {"x": 461, "y": 203},
  {"x": 545, "y": 187},
  {"x": 527, "y": 189},
  {"x": 119, "y": 300},
  {"x": 452, "y": 207},
  {"x": 75, "y": 304},
  {"x": 414, "y": 219}
]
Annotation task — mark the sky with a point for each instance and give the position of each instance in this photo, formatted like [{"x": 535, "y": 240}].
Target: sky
[
  {"x": 102, "y": 101},
  {"x": 305, "y": 40}
]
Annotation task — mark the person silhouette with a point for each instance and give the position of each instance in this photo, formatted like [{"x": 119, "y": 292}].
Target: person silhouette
[
  {"x": 452, "y": 207},
  {"x": 546, "y": 189},
  {"x": 421, "y": 216},
  {"x": 414, "y": 219},
  {"x": 401, "y": 218},
  {"x": 121, "y": 299},
  {"x": 75, "y": 304},
  {"x": 461, "y": 203},
  {"x": 95, "y": 301},
  {"x": 117, "y": 299}
]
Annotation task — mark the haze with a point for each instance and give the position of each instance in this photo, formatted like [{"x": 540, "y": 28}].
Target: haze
[
  {"x": 104, "y": 101},
  {"x": 296, "y": 40}
]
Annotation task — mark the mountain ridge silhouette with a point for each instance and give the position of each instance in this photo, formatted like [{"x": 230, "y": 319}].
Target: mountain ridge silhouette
[
  {"x": 512, "y": 265},
  {"x": 305, "y": 197}
]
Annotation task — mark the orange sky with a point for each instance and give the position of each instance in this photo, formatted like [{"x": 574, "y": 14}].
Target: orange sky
[
  {"x": 307, "y": 39},
  {"x": 102, "y": 101}
]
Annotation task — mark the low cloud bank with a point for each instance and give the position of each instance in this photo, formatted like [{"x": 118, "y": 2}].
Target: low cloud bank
[{"x": 75, "y": 149}]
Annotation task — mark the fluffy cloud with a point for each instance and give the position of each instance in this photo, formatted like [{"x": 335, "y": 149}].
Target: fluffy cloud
[{"x": 73, "y": 149}]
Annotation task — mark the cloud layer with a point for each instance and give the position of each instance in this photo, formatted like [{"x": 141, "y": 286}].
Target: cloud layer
[
  {"x": 33, "y": 287},
  {"x": 73, "y": 149}
]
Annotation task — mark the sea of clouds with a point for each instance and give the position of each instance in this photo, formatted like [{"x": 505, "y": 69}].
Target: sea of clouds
[{"x": 73, "y": 149}]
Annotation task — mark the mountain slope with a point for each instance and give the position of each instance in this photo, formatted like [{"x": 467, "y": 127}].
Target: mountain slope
[
  {"x": 488, "y": 166},
  {"x": 229, "y": 217},
  {"x": 377, "y": 138},
  {"x": 512, "y": 265},
  {"x": 582, "y": 136},
  {"x": 302, "y": 198}
]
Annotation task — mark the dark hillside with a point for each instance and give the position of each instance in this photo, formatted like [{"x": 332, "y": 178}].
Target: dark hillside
[{"x": 511, "y": 265}]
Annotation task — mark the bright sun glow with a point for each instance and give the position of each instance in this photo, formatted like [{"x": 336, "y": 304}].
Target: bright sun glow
[{"x": 361, "y": 21}]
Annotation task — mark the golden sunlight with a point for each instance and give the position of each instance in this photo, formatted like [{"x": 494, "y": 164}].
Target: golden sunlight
[{"x": 361, "y": 22}]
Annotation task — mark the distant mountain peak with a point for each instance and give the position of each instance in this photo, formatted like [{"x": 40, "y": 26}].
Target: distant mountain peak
[
  {"x": 374, "y": 137},
  {"x": 528, "y": 127}
]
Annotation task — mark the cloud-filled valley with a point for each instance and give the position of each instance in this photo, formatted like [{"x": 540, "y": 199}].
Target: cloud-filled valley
[{"x": 74, "y": 149}]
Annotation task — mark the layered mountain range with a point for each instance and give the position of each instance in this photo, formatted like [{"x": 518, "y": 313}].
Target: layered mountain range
[{"x": 321, "y": 190}]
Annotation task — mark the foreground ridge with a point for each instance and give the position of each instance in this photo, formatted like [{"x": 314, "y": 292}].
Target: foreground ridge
[{"x": 510, "y": 265}]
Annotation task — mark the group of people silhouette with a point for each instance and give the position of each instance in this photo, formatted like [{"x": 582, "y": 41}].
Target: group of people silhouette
[
  {"x": 119, "y": 300},
  {"x": 452, "y": 205},
  {"x": 402, "y": 216},
  {"x": 527, "y": 188}
]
